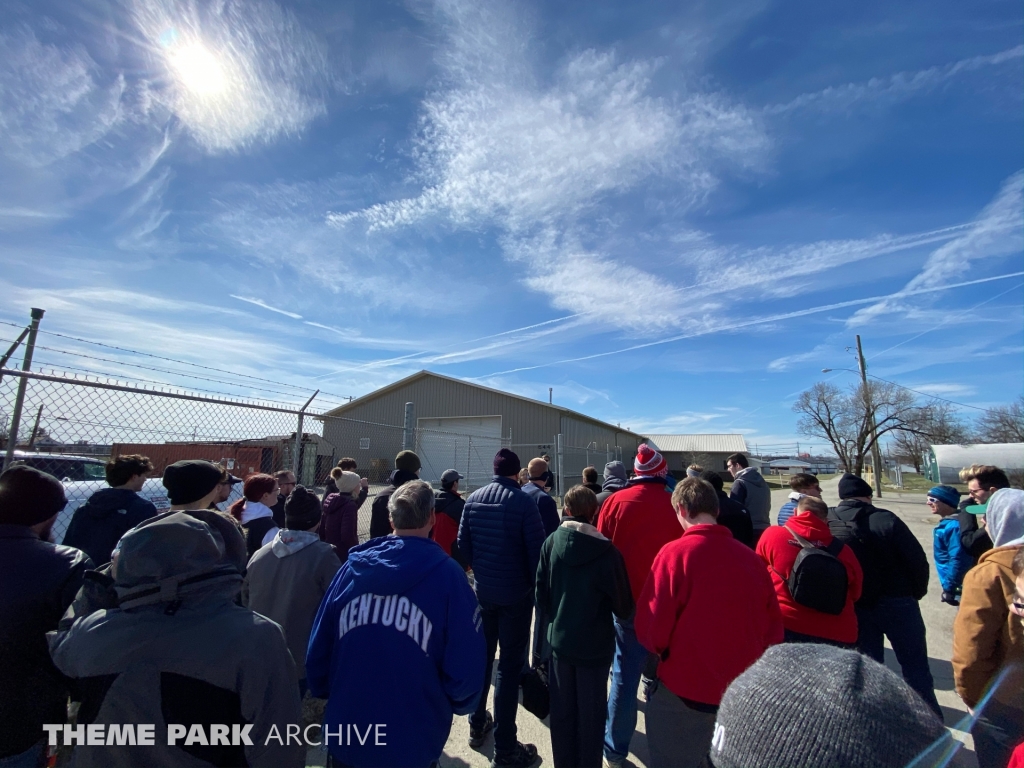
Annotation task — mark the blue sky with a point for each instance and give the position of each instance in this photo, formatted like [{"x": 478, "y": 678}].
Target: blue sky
[{"x": 674, "y": 214}]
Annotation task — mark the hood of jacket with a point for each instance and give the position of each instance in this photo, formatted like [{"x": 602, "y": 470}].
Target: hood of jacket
[
  {"x": 751, "y": 476},
  {"x": 107, "y": 501},
  {"x": 578, "y": 543},
  {"x": 615, "y": 471},
  {"x": 253, "y": 510},
  {"x": 175, "y": 555},
  {"x": 613, "y": 483},
  {"x": 796, "y": 495},
  {"x": 851, "y": 509},
  {"x": 286, "y": 543},
  {"x": 444, "y": 499},
  {"x": 393, "y": 563},
  {"x": 400, "y": 477},
  {"x": 1004, "y": 517}
]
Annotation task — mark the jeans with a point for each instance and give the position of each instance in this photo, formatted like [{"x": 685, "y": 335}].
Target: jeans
[
  {"x": 678, "y": 736},
  {"x": 508, "y": 626},
  {"x": 30, "y": 758},
  {"x": 578, "y": 710},
  {"x": 629, "y": 661},
  {"x": 996, "y": 732},
  {"x": 899, "y": 619}
]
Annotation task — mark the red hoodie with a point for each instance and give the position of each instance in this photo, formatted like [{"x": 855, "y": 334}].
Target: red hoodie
[
  {"x": 639, "y": 520},
  {"x": 779, "y": 550},
  {"x": 709, "y": 610}
]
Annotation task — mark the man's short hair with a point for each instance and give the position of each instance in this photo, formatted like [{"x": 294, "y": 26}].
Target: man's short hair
[
  {"x": 348, "y": 464},
  {"x": 536, "y": 468},
  {"x": 968, "y": 472},
  {"x": 410, "y": 505},
  {"x": 709, "y": 475},
  {"x": 589, "y": 475},
  {"x": 737, "y": 458},
  {"x": 282, "y": 474},
  {"x": 989, "y": 477},
  {"x": 814, "y": 505},
  {"x": 581, "y": 502},
  {"x": 696, "y": 468},
  {"x": 121, "y": 469},
  {"x": 802, "y": 480},
  {"x": 696, "y": 496}
]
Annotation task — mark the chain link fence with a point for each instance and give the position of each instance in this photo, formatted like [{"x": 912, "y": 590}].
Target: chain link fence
[{"x": 71, "y": 427}]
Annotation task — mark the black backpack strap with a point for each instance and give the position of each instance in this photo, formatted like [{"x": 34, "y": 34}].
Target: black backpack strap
[
  {"x": 835, "y": 547},
  {"x": 799, "y": 539}
]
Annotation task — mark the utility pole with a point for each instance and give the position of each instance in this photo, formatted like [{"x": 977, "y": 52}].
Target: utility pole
[{"x": 876, "y": 456}]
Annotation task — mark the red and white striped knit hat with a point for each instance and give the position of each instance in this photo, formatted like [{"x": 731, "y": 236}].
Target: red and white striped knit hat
[{"x": 649, "y": 463}]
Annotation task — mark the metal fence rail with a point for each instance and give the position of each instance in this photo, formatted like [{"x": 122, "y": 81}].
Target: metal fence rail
[{"x": 70, "y": 427}]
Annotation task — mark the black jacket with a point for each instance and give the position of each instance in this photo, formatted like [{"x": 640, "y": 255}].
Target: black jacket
[
  {"x": 972, "y": 538},
  {"x": 380, "y": 522},
  {"x": 893, "y": 560},
  {"x": 451, "y": 504},
  {"x": 733, "y": 516},
  {"x": 278, "y": 511},
  {"x": 99, "y": 524},
  {"x": 38, "y": 581},
  {"x": 610, "y": 486}
]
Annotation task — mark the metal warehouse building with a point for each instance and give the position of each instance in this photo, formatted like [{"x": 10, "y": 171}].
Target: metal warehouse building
[
  {"x": 456, "y": 424},
  {"x": 709, "y": 451}
]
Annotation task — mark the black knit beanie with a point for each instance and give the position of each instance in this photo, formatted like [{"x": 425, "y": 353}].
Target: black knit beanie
[
  {"x": 302, "y": 510},
  {"x": 29, "y": 497},
  {"x": 506, "y": 463},
  {"x": 805, "y": 705},
  {"x": 850, "y": 486},
  {"x": 407, "y": 461},
  {"x": 188, "y": 481}
]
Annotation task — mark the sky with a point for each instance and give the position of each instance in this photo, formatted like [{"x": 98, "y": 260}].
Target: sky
[{"x": 673, "y": 214}]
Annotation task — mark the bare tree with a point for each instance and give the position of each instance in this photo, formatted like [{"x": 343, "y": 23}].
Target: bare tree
[
  {"x": 843, "y": 417},
  {"x": 700, "y": 459},
  {"x": 1002, "y": 424},
  {"x": 934, "y": 424}
]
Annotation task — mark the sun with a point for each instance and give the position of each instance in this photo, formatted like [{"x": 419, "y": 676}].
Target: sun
[{"x": 198, "y": 69}]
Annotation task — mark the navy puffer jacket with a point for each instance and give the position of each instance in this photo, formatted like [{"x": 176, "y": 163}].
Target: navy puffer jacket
[{"x": 500, "y": 537}]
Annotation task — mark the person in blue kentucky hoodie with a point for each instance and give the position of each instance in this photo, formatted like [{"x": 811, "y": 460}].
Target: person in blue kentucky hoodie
[{"x": 397, "y": 647}]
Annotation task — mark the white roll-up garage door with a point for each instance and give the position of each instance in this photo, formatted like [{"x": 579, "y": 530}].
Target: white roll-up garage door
[{"x": 465, "y": 443}]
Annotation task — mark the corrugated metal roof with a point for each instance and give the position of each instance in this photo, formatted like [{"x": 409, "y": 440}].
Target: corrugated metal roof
[
  {"x": 352, "y": 405},
  {"x": 699, "y": 443}
]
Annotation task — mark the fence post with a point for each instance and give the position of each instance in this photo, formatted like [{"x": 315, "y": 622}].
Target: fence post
[
  {"x": 469, "y": 461},
  {"x": 560, "y": 453},
  {"x": 297, "y": 452},
  {"x": 19, "y": 400},
  {"x": 408, "y": 439}
]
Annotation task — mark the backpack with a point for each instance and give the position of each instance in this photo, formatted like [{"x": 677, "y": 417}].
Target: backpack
[
  {"x": 818, "y": 580},
  {"x": 856, "y": 536}
]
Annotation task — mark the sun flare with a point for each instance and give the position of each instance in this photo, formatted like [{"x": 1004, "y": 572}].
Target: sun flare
[{"x": 198, "y": 69}]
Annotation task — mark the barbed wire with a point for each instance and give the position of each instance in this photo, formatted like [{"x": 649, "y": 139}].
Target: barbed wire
[{"x": 181, "y": 362}]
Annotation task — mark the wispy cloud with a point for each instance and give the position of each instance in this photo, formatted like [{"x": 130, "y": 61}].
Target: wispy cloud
[
  {"x": 499, "y": 147},
  {"x": 894, "y": 87},
  {"x": 998, "y": 231},
  {"x": 264, "y": 305},
  {"x": 236, "y": 73}
]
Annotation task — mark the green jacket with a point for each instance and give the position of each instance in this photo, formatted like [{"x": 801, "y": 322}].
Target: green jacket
[{"x": 581, "y": 582}]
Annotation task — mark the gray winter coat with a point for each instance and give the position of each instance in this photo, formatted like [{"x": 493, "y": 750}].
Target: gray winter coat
[
  {"x": 166, "y": 643},
  {"x": 753, "y": 493},
  {"x": 286, "y": 580}
]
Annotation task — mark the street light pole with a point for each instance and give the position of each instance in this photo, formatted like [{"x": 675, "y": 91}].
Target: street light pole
[{"x": 876, "y": 458}]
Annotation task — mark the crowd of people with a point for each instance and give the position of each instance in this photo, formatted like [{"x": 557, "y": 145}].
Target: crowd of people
[{"x": 755, "y": 644}]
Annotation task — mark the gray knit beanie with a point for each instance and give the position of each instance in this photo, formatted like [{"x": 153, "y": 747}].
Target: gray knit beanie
[{"x": 805, "y": 705}]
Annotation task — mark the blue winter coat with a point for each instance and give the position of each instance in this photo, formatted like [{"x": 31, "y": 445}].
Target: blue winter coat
[
  {"x": 547, "y": 507},
  {"x": 952, "y": 561},
  {"x": 500, "y": 536},
  {"x": 397, "y": 642}
]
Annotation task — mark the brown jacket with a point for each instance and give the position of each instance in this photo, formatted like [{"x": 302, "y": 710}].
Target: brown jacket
[{"x": 986, "y": 636}]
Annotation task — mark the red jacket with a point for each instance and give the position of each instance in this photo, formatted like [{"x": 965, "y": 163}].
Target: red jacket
[
  {"x": 709, "y": 610},
  {"x": 639, "y": 520},
  {"x": 779, "y": 550},
  {"x": 445, "y": 532}
]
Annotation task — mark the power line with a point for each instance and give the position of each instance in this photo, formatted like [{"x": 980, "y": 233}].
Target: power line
[
  {"x": 915, "y": 391},
  {"x": 174, "y": 360}
]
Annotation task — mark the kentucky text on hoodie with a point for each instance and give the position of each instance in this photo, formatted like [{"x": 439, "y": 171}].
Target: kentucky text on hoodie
[{"x": 390, "y": 611}]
